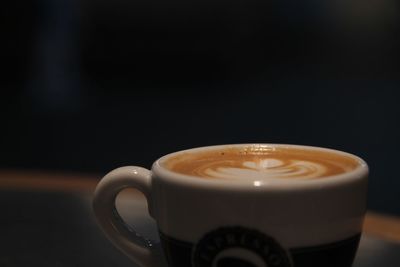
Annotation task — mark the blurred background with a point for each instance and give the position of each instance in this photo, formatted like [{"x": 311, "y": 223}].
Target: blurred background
[{"x": 88, "y": 86}]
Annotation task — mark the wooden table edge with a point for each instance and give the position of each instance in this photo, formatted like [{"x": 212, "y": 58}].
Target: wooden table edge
[{"x": 375, "y": 224}]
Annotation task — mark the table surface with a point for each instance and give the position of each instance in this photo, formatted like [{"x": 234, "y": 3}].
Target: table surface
[{"x": 47, "y": 221}]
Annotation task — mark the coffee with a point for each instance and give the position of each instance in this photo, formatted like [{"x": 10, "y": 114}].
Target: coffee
[
  {"x": 260, "y": 162},
  {"x": 242, "y": 205}
]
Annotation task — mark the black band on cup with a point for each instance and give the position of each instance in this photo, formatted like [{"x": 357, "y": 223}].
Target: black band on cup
[
  {"x": 183, "y": 254},
  {"x": 336, "y": 254}
]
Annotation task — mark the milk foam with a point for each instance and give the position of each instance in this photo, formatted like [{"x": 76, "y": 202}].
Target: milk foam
[
  {"x": 268, "y": 168},
  {"x": 261, "y": 162}
]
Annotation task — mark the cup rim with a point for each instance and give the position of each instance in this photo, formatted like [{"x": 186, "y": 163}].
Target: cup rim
[{"x": 360, "y": 172}]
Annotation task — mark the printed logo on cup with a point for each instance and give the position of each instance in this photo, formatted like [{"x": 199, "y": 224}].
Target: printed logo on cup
[{"x": 238, "y": 247}]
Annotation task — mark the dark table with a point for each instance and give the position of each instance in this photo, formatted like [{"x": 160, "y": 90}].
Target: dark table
[{"x": 46, "y": 220}]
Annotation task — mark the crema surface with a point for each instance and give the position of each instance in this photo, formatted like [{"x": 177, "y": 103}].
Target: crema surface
[{"x": 261, "y": 162}]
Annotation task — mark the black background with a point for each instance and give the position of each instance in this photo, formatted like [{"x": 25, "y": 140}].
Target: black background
[{"x": 89, "y": 86}]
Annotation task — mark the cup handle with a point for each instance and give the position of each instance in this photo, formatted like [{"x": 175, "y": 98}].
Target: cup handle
[{"x": 135, "y": 246}]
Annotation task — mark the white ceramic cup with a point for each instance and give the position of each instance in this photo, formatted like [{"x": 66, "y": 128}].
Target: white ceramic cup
[{"x": 224, "y": 223}]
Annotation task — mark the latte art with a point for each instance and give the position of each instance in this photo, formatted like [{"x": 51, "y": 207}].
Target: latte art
[
  {"x": 265, "y": 169},
  {"x": 261, "y": 162}
]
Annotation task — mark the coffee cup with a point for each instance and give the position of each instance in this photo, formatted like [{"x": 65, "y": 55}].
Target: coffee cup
[{"x": 243, "y": 205}]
